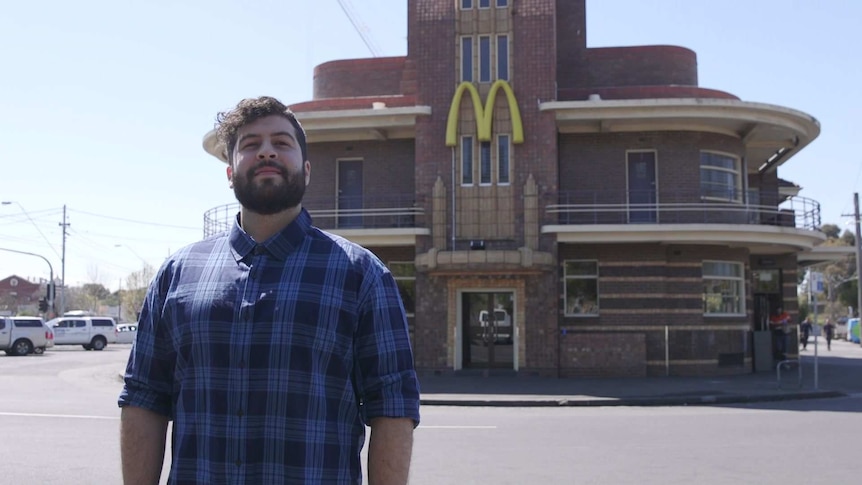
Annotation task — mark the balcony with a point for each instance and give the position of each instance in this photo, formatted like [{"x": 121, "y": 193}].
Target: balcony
[
  {"x": 763, "y": 223},
  {"x": 385, "y": 220}
]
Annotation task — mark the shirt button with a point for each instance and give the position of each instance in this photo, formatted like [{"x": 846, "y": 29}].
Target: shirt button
[
  {"x": 239, "y": 413},
  {"x": 259, "y": 250},
  {"x": 238, "y": 463},
  {"x": 242, "y": 364}
]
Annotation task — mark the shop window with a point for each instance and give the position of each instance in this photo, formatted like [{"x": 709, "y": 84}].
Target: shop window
[
  {"x": 723, "y": 288},
  {"x": 581, "y": 287}
]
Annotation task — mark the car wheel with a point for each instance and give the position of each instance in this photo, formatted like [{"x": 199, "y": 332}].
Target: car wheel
[
  {"x": 22, "y": 347},
  {"x": 39, "y": 350},
  {"x": 98, "y": 343}
]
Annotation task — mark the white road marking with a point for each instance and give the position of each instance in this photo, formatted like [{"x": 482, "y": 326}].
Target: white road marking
[
  {"x": 64, "y": 416},
  {"x": 456, "y": 427}
]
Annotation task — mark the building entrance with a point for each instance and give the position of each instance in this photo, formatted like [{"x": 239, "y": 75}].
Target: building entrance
[{"x": 488, "y": 330}]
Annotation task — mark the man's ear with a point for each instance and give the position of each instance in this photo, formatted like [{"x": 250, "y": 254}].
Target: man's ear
[
  {"x": 229, "y": 172},
  {"x": 307, "y": 167}
]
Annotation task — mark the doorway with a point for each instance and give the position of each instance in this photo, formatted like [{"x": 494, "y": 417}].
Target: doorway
[
  {"x": 349, "y": 193},
  {"x": 642, "y": 195},
  {"x": 488, "y": 330}
]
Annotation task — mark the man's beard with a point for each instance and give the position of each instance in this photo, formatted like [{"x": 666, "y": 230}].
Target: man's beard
[{"x": 269, "y": 196}]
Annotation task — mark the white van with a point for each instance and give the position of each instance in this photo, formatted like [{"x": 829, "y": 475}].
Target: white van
[
  {"x": 501, "y": 328},
  {"x": 92, "y": 333}
]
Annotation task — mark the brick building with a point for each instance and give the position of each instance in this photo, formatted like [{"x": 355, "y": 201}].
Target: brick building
[
  {"x": 554, "y": 209},
  {"x": 19, "y": 295}
]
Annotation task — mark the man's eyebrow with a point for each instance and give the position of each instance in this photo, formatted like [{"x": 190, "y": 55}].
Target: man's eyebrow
[{"x": 255, "y": 135}]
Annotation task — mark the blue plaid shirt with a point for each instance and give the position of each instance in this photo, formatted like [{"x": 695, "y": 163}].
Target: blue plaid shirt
[{"x": 271, "y": 358}]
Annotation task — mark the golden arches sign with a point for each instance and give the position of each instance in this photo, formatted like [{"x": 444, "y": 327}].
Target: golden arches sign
[{"x": 484, "y": 115}]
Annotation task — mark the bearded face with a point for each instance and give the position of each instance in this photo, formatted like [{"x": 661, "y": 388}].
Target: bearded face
[{"x": 266, "y": 194}]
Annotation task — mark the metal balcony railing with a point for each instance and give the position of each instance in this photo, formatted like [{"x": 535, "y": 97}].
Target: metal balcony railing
[
  {"x": 683, "y": 207},
  {"x": 367, "y": 212}
]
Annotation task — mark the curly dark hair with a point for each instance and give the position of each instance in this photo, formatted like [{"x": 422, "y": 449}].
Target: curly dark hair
[{"x": 249, "y": 110}]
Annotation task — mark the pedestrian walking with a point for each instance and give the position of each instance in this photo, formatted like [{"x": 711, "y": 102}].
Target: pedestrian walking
[
  {"x": 273, "y": 345},
  {"x": 829, "y": 330},
  {"x": 805, "y": 331}
]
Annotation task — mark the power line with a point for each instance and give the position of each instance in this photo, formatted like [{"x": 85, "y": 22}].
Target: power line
[
  {"x": 132, "y": 221},
  {"x": 360, "y": 28}
]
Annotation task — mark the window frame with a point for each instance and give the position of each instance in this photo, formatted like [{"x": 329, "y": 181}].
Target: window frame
[
  {"x": 567, "y": 277},
  {"x": 502, "y": 3},
  {"x": 466, "y": 4},
  {"x": 503, "y": 139},
  {"x": 502, "y": 65},
  {"x": 740, "y": 310},
  {"x": 738, "y": 190},
  {"x": 486, "y": 6},
  {"x": 486, "y": 166},
  {"x": 484, "y": 42},
  {"x": 465, "y": 152},
  {"x": 467, "y": 58}
]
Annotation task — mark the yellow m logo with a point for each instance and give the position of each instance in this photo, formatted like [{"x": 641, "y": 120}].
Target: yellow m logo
[{"x": 484, "y": 115}]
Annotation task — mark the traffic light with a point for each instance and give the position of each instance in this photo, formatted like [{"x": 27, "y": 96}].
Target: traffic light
[{"x": 43, "y": 305}]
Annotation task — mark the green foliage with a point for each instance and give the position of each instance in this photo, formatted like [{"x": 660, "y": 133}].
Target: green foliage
[{"x": 832, "y": 231}]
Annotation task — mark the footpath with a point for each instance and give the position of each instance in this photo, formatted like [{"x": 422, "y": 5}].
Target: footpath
[{"x": 839, "y": 374}]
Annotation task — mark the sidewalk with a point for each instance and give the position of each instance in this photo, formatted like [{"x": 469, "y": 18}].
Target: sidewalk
[{"x": 839, "y": 374}]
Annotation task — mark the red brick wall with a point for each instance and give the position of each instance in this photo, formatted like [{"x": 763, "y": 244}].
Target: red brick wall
[
  {"x": 597, "y": 162},
  {"x": 641, "y": 66},
  {"x": 388, "y": 169},
  {"x": 603, "y": 355},
  {"x": 359, "y": 77}
]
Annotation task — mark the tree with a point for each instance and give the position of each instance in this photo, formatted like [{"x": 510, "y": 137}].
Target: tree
[
  {"x": 832, "y": 231},
  {"x": 136, "y": 290}
]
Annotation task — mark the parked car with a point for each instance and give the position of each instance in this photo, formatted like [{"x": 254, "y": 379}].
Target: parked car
[
  {"x": 500, "y": 329},
  {"x": 126, "y": 333},
  {"x": 92, "y": 333},
  {"x": 25, "y": 335},
  {"x": 853, "y": 330}
]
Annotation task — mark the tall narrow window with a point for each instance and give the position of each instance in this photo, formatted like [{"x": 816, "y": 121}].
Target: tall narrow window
[
  {"x": 581, "y": 279},
  {"x": 484, "y": 59},
  {"x": 467, "y": 160},
  {"x": 405, "y": 277},
  {"x": 466, "y": 4},
  {"x": 723, "y": 288},
  {"x": 503, "y": 159},
  {"x": 503, "y": 57},
  {"x": 467, "y": 59},
  {"x": 720, "y": 177},
  {"x": 485, "y": 162}
]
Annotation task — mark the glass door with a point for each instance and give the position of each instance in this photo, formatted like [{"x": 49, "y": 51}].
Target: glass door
[{"x": 488, "y": 326}]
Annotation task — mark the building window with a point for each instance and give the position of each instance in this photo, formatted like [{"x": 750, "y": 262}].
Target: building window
[
  {"x": 720, "y": 177},
  {"x": 581, "y": 287},
  {"x": 484, "y": 59},
  {"x": 503, "y": 57},
  {"x": 503, "y": 159},
  {"x": 466, "y": 160},
  {"x": 723, "y": 288},
  {"x": 484, "y": 3},
  {"x": 467, "y": 59},
  {"x": 405, "y": 277},
  {"x": 466, "y": 4},
  {"x": 502, "y": 3},
  {"x": 485, "y": 163}
]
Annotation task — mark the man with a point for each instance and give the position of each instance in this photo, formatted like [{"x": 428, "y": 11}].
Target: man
[
  {"x": 270, "y": 347},
  {"x": 779, "y": 323},
  {"x": 829, "y": 330},
  {"x": 805, "y": 330}
]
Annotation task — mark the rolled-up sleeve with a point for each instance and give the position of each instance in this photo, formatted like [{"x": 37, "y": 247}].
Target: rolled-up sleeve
[
  {"x": 148, "y": 379},
  {"x": 387, "y": 379}
]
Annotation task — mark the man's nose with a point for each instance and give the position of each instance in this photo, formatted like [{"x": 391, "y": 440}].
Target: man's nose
[{"x": 266, "y": 151}]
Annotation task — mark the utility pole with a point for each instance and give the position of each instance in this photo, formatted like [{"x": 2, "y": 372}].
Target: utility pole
[
  {"x": 64, "y": 225},
  {"x": 858, "y": 260}
]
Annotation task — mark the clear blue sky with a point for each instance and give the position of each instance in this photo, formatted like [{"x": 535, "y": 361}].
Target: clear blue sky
[{"x": 104, "y": 102}]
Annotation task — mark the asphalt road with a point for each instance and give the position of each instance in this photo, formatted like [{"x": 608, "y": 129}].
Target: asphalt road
[{"x": 59, "y": 422}]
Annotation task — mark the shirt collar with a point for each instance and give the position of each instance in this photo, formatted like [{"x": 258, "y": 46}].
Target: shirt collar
[{"x": 279, "y": 246}]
